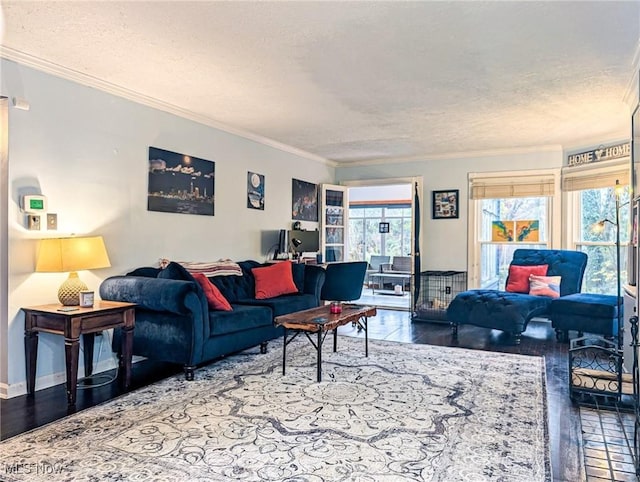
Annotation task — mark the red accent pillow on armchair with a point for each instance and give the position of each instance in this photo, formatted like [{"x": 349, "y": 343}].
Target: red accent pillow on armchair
[
  {"x": 274, "y": 280},
  {"x": 215, "y": 299},
  {"x": 518, "y": 280}
]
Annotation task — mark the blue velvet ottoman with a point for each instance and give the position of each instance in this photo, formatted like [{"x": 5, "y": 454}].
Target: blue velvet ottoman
[{"x": 585, "y": 313}]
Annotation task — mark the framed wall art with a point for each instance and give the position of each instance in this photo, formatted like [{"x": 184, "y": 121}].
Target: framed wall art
[
  {"x": 180, "y": 184},
  {"x": 304, "y": 200},
  {"x": 445, "y": 204},
  {"x": 255, "y": 191},
  {"x": 502, "y": 230}
]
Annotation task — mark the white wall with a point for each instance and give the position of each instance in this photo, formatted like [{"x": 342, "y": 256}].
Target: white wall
[
  {"x": 444, "y": 241},
  {"x": 87, "y": 151}
]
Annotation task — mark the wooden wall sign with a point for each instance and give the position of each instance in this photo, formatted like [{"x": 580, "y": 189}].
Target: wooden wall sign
[{"x": 601, "y": 153}]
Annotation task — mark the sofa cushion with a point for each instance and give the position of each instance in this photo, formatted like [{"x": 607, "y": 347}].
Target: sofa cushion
[
  {"x": 243, "y": 317},
  {"x": 544, "y": 286},
  {"x": 178, "y": 272},
  {"x": 283, "y": 305},
  {"x": 175, "y": 271},
  {"x": 274, "y": 280},
  {"x": 298, "y": 270},
  {"x": 568, "y": 264},
  {"x": 587, "y": 305},
  {"x": 215, "y": 299},
  {"x": 234, "y": 288},
  {"x": 146, "y": 271},
  {"x": 518, "y": 279}
]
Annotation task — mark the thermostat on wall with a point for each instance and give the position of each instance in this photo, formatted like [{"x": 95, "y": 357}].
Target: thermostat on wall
[{"x": 34, "y": 204}]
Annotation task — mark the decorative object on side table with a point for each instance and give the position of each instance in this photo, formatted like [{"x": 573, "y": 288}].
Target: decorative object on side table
[
  {"x": 445, "y": 204},
  {"x": 59, "y": 255},
  {"x": 86, "y": 299}
]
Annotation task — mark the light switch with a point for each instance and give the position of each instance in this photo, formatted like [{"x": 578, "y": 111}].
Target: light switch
[{"x": 52, "y": 221}]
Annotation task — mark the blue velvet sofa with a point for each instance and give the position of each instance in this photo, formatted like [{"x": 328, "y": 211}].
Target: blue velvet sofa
[
  {"x": 509, "y": 311},
  {"x": 175, "y": 324}
]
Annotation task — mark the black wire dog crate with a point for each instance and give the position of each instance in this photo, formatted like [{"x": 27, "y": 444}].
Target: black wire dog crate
[{"x": 437, "y": 289}]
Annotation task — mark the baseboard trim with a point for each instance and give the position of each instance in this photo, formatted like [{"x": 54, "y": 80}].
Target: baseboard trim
[{"x": 48, "y": 381}]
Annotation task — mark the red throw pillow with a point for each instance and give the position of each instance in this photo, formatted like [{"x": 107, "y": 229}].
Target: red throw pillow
[
  {"x": 518, "y": 280},
  {"x": 215, "y": 299},
  {"x": 274, "y": 280}
]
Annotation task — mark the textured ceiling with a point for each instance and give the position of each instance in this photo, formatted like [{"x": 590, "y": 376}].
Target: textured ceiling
[{"x": 357, "y": 81}]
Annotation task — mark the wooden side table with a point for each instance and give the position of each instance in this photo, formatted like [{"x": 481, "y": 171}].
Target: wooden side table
[{"x": 104, "y": 315}]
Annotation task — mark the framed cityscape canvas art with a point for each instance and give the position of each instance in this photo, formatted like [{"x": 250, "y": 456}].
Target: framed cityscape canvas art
[{"x": 179, "y": 183}]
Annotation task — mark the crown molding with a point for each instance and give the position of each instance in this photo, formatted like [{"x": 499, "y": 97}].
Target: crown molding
[
  {"x": 455, "y": 155},
  {"x": 102, "y": 85}
]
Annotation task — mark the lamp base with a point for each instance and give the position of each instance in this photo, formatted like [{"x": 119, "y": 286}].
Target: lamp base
[{"x": 69, "y": 291}]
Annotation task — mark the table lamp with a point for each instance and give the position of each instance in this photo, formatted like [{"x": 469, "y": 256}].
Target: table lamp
[
  {"x": 295, "y": 243},
  {"x": 59, "y": 255}
]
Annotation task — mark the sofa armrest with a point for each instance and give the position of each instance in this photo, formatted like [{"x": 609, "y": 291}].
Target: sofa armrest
[
  {"x": 154, "y": 294},
  {"x": 313, "y": 280}
]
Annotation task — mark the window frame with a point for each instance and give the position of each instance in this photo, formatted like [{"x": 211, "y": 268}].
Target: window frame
[
  {"x": 406, "y": 235},
  {"x": 549, "y": 177},
  {"x": 598, "y": 176}
]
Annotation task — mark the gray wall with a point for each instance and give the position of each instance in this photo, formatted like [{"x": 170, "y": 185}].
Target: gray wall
[
  {"x": 87, "y": 151},
  {"x": 444, "y": 241}
]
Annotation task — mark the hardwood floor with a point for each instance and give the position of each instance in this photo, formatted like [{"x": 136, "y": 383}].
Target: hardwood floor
[{"x": 24, "y": 413}]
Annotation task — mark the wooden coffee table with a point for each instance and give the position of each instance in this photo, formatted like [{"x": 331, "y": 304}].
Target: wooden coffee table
[{"x": 320, "y": 321}]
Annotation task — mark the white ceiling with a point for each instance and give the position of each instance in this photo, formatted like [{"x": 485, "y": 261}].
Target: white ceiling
[{"x": 355, "y": 81}]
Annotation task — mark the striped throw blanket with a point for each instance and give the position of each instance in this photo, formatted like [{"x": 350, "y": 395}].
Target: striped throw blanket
[{"x": 222, "y": 267}]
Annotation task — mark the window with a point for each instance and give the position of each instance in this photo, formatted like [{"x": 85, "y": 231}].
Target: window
[
  {"x": 507, "y": 201},
  {"x": 592, "y": 199},
  {"x": 365, "y": 238},
  {"x": 495, "y": 255}
]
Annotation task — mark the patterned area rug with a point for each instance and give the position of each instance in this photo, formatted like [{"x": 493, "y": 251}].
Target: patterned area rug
[{"x": 407, "y": 412}]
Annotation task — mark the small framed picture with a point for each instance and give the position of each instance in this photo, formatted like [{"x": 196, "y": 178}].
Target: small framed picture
[
  {"x": 445, "y": 204},
  {"x": 255, "y": 190},
  {"x": 383, "y": 227},
  {"x": 86, "y": 299}
]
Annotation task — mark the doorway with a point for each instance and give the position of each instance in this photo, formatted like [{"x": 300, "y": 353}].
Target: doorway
[{"x": 381, "y": 232}]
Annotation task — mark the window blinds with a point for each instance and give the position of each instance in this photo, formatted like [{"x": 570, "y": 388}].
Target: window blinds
[
  {"x": 521, "y": 185},
  {"x": 594, "y": 176}
]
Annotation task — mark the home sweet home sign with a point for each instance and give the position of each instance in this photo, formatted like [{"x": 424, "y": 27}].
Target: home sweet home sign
[{"x": 601, "y": 153}]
